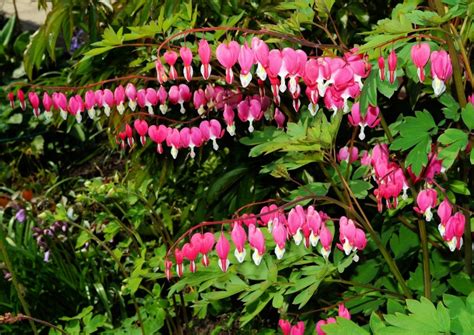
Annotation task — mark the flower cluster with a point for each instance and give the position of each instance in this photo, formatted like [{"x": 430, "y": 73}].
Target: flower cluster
[
  {"x": 288, "y": 329},
  {"x": 441, "y": 68},
  {"x": 299, "y": 224},
  {"x": 343, "y": 312},
  {"x": 56, "y": 230}
]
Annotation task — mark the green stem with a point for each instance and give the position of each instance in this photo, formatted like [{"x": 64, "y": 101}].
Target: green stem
[
  {"x": 375, "y": 237},
  {"x": 457, "y": 73},
  {"x": 426, "y": 259},
  {"x": 15, "y": 282}
]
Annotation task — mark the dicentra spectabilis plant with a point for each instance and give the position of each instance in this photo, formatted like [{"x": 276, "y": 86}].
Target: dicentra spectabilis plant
[{"x": 367, "y": 196}]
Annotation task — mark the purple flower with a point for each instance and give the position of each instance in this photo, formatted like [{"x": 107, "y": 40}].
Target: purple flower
[{"x": 21, "y": 215}]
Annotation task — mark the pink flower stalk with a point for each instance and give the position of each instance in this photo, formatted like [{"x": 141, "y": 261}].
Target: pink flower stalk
[
  {"x": 420, "y": 53},
  {"x": 35, "y": 102},
  {"x": 204, "y": 52},
  {"x": 108, "y": 101},
  {"x": 239, "y": 237},
  {"x": 345, "y": 155},
  {"x": 246, "y": 60},
  {"x": 454, "y": 231},
  {"x": 369, "y": 120},
  {"x": 228, "y": 54},
  {"x": 392, "y": 66},
  {"x": 170, "y": 59},
  {"x": 179, "y": 256},
  {"x": 325, "y": 238},
  {"x": 261, "y": 51},
  {"x": 381, "y": 62},
  {"x": 441, "y": 71},
  {"x": 168, "y": 265},
  {"x": 257, "y": 242},
  {"x": 426, "y": 200},
  {"x": 222, "y": 250},
  {"x": 190, "y": 252},
  {"x": 229, "y": 116},
  {"x": 279, "y": 118},
  {"x": 141, "y": 126},
  {"x": 131, "y": 93},
  {"x": 47, "y": 105},
  {"x": 444, "y": 212},
  {"x": 158, "y": 135},
  {"x": 21, "y": 98},
  {"x": 119, "y": 97},
  {"x": 160, "y": 71},
  {"x": 297, "y": 329},
  {"x": 11, "y": 98},
  {"x": 280, "y": 234},
  {"x": 173, "y": 140},
  {"x": 162, "y": 96},
  {"x": 285, "y": 326},
  {"x": 187, "y": 57}
]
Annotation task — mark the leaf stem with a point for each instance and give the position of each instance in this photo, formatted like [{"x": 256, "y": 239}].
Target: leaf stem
[{"x": 426, "y": 259}]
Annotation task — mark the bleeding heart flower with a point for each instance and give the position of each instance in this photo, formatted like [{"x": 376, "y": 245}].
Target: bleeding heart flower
[
  {"x": 158, "y": 135},
  {"x": 392, "y": 66},
  {"x": 420, "y": 53},
  {"x": 425, "y": 201},
  {"x": 222, "y": 250},
  {"x": 187, "y": 57},
  {"x": 35, "y": 102},
  {"x": 204, "y": 52},
  {"x": 441, "y": 71},
  {"x": 239, "y": 237},
  {"x": 170, "y": 59},
  {"x": 141, "y": 126},
  {"x": 228, "y": 54}
]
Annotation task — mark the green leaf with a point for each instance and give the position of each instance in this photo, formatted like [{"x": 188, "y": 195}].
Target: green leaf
[
  {"x": 468, "y": 116},
  {"x": 323, "y": 7},
  {"x": 456, "y": 140},
  {"x": 7, "y": 31},
  {"x": 424, "y": 18},
  {"x": 303, "y": 297},
  {"x": 369, "y": 92},
  {"x": 415, "y": 133},
  {"x": 451, "y": 107},
  {"x": 344, "y": 327},
  {"x": 424, "y": 318}
]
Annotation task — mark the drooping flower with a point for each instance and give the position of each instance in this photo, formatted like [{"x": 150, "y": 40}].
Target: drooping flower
[
  {"x": 392, "y": 66},
  {"x": 119, "y": 97},
  {"x": 261, "y": 51},
  {"x": 229, "y": 116},
  {"x": 168, "y": 265},
  {"x": 441, "y": 71},
  {"x": 158, "y": 135},
  {"x": 381, "y": 62},
  {"x": 21, "y": 98},
  {"x": 47, "y": 105},
  {"x": 369, "y": 120},
  {"x": 285, "y": 326},
  {"x": 348, "y": 154},
  {"x": 222, "y": 250},
  {"x": 190, "y": 252},
  {"x": 425, "y": 201},
  {"x": 280, "y": 234},
  {"x": 35, "y": 102},
  {"x": 279, "y": 118},
  {"x": 187, "y": 57},
  {"x": 297, "y": 329},
  {"x": 454, "y": 231},
  {"x": 239, "y": 237},
  {"x": 204, "y": 52},
  {"x": 228, "y": 54},
  {"x": 131, "y": 93},
  {"x": 141, "y": 126},
  {"x": 173, "y": 140},
  {"x": 444, "y": 212},
  {"x": 257, "y": 242},
  {"x": 420, "y": 53},
  {"x": 246, "y": 60},
  {"x": 170, "y": 59},
  {"x": 325, "y": 238},
  {"x": 344, "y": 312},
  {"x": 296, "y": 220},
  {"x": 108, "y": 101},
  {"x": 179, "y": 257}
]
